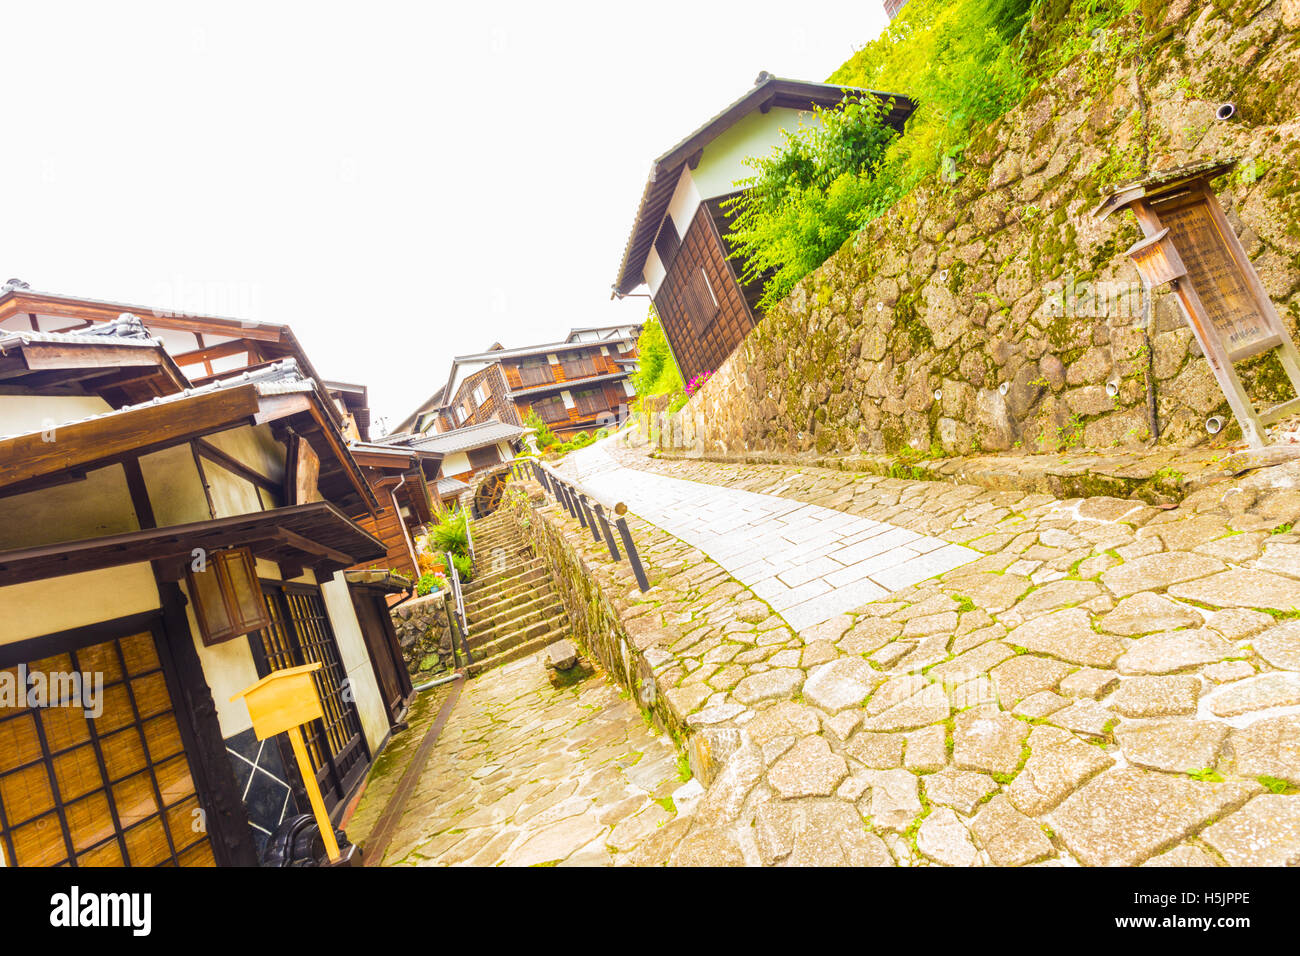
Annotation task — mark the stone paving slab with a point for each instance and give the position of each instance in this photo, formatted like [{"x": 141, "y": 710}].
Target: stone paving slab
[
  {"x": 526, "y": 774},
  {"x": 809, "y": 562},
  {"x": 1114, "y": 682}
]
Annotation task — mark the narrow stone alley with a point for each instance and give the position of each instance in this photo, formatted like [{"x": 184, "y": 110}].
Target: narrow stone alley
[{"x": 526, "y": 774}]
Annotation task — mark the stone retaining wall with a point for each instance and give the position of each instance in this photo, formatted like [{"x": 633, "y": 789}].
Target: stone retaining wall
[
  {"x": 996, "y": 313},
  {"x": 424, "y": 632},
  {"x": 649, "y": 642}
]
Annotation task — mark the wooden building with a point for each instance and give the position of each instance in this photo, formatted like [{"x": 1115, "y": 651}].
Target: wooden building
[
  {"x": 575, "y": 385},
  {"x": 466, "y": 457},
  {"x": 178, "y": 506},
  {"x": 678, "y": 246}
]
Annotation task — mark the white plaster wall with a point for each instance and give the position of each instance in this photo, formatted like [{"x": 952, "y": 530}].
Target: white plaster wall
[
  {"x": 654, "y": 271},
  {"x": 228, "y": 668},
  {"x": 254, "y": 447},
  {"x": 685, "y": 200},
  {"x": 232, "y": 494},
  {"x": 75, "y": 600},
  {"x": 754, "y": 136},
  {"x": 20, "y": 414},
  {"x": 456, "y": 463},
  {"x": 97, "y": 506},
  {"x": 175, "y": 490},
  {"x": 356, "y": 661}
]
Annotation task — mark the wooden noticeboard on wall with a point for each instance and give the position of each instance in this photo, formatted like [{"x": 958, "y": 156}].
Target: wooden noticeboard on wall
[{"x": 1189, "y": 244}]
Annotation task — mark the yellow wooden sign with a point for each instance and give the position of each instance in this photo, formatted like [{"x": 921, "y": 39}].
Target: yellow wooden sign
[
  {"x": 282, "y": 699},
  {"x": 280, "y": 703}
]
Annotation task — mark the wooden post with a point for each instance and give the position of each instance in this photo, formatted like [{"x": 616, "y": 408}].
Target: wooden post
[{"x": 313, "y": 793}]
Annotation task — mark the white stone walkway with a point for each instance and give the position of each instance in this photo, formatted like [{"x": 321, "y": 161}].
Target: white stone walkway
[{"x": 808, "y": 562}]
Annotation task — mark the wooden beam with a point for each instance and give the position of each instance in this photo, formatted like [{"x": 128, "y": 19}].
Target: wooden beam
[
  {"x": 60, "y": 355},
  {"x": 139, "y": 430},
  {"x": 307, "y": 546},
  {"x": 20, "y": 302}
]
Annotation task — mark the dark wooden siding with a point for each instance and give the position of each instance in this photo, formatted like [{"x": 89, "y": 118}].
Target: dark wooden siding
[{"x": 701, "y": 334}]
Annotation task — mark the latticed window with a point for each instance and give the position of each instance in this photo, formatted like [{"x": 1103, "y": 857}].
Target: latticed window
[
  {"x": 590, "y": 402},
  {"x": 107, "y": 790},
  {"x": 300, "y": 633},
  {"x": 701, "y": 303}
]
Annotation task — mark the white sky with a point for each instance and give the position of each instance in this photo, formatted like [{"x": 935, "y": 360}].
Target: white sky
[{"x": 400, "y": 182}]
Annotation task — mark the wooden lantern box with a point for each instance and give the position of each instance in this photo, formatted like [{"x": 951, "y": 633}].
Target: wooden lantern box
[{"x": 1190, "y": 245}]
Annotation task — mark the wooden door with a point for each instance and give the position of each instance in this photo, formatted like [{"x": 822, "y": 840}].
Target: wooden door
[
  {"x": 385, "y": 651},
  {"x": 102, "y": 780}
]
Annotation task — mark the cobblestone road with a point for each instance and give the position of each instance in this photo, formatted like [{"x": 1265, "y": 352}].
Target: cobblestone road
[
  {"x": 1108, "y": 683},
  {"x": 525, "y": 774}
]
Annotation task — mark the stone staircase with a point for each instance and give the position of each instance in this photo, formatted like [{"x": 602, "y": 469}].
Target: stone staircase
[{"x": 510, "y": 607}]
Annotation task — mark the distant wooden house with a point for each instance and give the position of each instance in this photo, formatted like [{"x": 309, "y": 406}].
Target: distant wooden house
[
  {"x": 678, "y": 246},
  {"x": 575, "y": 385},
  {"x": 468, "y": 456},
  {"x": 180, "y": 505}
]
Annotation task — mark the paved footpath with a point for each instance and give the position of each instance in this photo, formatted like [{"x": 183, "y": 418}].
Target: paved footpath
[
  {"x": 1108, "y": 683},
  {"x": 809, "y": 563},
  {"x": 525, "y": 774}
]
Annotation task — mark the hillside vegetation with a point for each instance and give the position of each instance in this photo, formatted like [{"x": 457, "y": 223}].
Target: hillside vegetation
[{"x": 965, "y": 62}]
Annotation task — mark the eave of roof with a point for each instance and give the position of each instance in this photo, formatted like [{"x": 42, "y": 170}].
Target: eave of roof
[
  {"x": 469, "y": 438},
  {"x": 316, "y": 534},
  {"x": 665, "y": 172}
]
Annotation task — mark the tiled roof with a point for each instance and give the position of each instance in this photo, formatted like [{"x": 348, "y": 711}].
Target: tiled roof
[
  {"x": 472, "y": 436},
  {"x": 126, "y": 329},
  {"x": 451, "y": 486},
  {"x": 577, "y": 383},
  {"x": 281, "y": 378}
]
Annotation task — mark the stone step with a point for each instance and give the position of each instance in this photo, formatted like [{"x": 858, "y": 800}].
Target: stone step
[
  {"x": 509, "y": 612},
  {"x": 504, "y": 592},
  {"x": 514, "y": 653},
  {"x": 492, "y": 578},
  {"x": 521, "y": 624},
  {"x": 486, "y": 556},
  {"x": 486, "y": 614},
  {"x": 516, "y": 646}
]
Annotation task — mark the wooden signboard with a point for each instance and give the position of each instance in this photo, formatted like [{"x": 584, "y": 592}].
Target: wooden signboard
[
  {"x": 280, "y": 703},
  {"x": 1190, "y": 245},
  {"x": 302, "y": 472}
]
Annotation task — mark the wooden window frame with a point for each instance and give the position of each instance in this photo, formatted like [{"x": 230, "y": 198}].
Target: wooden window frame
[
  {"x": 78, "y": 639},
  {"x": 240, "y": 621},
  {"x": 550, "y": 402}
]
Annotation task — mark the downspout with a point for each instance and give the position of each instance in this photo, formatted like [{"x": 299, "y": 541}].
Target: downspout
[{"x": 406, "y": 534}]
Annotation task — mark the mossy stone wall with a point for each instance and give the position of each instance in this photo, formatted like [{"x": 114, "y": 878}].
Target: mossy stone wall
[{"x": 994, "y": 312}]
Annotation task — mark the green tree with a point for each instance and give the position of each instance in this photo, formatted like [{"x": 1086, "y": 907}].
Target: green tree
[{"x": 657, "y": 372}]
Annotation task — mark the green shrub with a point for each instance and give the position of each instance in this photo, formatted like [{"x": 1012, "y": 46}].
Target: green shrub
[
  {"x": 428, "y": 583},
  {"x": 464, "y": 566},
  {"x": 451, "y": 533},
  {"x": 544, "y": 437},
  {"x": 581, "y": 440},
  {"x": 657, "y": 372}
]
